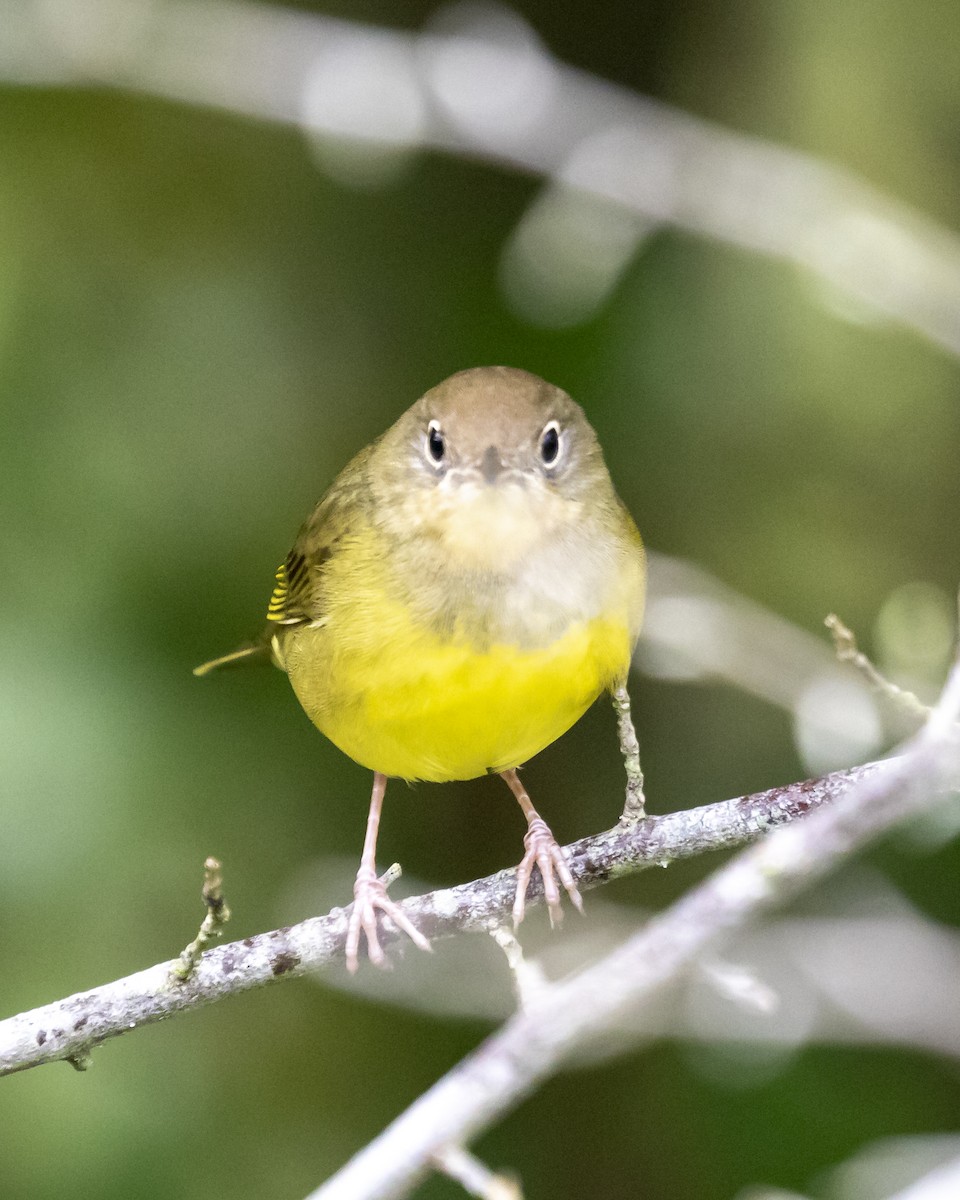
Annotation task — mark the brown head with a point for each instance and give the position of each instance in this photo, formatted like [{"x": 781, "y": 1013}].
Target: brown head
[
  {"x": 495, "y": 426},
  {"x": 488, "y": 463}
]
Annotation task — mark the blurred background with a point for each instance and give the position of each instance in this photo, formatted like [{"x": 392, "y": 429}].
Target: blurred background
[{"x": 236, "y": 241}]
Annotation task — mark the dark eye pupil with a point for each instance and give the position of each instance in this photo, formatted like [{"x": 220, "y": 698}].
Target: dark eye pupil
[
  {"x": 549, "y": 446},
  {"x": 435, "y": 444}
]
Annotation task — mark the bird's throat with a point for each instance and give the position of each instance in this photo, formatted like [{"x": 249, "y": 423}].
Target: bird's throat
[{"x": 493, "y": 527}]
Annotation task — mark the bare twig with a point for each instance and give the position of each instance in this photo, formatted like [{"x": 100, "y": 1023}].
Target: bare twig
[
  {"x": 534, "y": 1043},
  {"x": 528, "y": 978},
  {"x": 474, "y": 1177},
  {"x": 635, "y": 805},
  {"x": 845, "y": 644},
  {"x": 72, "y": 1026},
  {"x": 739, "y": 985},
  {"x": 218, "y": 914}
]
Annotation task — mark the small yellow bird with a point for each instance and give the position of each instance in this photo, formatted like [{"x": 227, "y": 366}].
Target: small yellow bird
[{"x": 466, "y": 589}]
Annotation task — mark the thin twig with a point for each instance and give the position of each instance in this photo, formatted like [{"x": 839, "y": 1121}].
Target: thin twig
[
  {"x": 535, "y": 1043},
  {"x": 634, "y": 807},
  {"x": 218, "y": 914},
  {"x": 739, "y": 985},
  {"x": 72, "y": 1026},
  {"x": 845, "y": 644},
  {"x": 529, "y": 980},
  {"x": 475, "y": 1177}
]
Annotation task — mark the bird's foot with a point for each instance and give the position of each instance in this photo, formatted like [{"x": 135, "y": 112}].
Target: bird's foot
[
  {"x": 543, "y": 852},
  {"x": 369, "y": 896}
]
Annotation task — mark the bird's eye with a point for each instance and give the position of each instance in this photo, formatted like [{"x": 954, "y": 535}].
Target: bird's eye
[
  {"x": 436, "y": 447},
  {"x": 550, "y": 444}
]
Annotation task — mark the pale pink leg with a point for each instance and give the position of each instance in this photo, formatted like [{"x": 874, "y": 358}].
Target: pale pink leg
[
  {"x": 542, "y": 851},
  {"x": 369, "y": 894}
]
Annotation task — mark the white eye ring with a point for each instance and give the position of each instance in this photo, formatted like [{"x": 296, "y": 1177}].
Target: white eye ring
[
  {"x": 434, "y": 445},
  {"x": 551, "y": 444}
]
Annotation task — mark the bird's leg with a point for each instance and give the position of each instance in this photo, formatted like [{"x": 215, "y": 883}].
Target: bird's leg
[
  {"x": 542, "y": 851},
  {"x": 370, "y": 894}
]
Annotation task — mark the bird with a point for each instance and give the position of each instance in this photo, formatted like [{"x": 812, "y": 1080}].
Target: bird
[{"x": 464, "y": 591}]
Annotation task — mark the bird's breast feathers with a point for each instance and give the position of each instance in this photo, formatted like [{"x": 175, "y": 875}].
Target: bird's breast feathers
[{"x": 467, "y": 671}]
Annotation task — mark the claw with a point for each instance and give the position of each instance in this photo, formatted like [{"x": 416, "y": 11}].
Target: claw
[
  {"x": 370, "y": 895},
  {"x": 543, "y": 852}
]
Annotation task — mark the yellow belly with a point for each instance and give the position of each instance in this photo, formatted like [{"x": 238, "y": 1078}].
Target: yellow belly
[{"x": 422, "y": 707}]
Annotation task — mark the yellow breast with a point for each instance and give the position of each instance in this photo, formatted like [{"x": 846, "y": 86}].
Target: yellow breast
[
  {"x": 471, "y": 634},
  {"x": 420, "y": 706}
]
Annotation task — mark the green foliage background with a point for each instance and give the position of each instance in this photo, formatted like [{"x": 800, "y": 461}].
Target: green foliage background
[{"x": 197, "y": 328}]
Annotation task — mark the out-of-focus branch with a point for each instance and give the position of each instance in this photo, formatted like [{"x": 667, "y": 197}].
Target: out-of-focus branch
[
  {"x": 940, "y": 1184},
  {"x": 479, "y": 83},
  {"x": 69, "y": 1028},
  {"x": 845, "y": 644},
  {"x": 474, "y": 1177},
  {"x": 535, "y": 1043}
]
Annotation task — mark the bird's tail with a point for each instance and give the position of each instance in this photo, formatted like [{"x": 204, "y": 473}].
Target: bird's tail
[{"x": 255, "y": 652}]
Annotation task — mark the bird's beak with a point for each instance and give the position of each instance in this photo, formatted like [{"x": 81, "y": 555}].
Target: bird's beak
[{"x": 491, "y": 465}]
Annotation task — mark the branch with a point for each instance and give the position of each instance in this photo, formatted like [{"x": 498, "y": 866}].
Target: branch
[
  {"x": 847, "y": 651},
  {"x": 69, "y": 1028},
  {"x": 939, "y": 1184},
  {"x": 476, "y": 1179},
  {"x": 535, "y": 1043},
  {"x": 390, "y": 92},
  {"x": 218, "y": 914}
]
